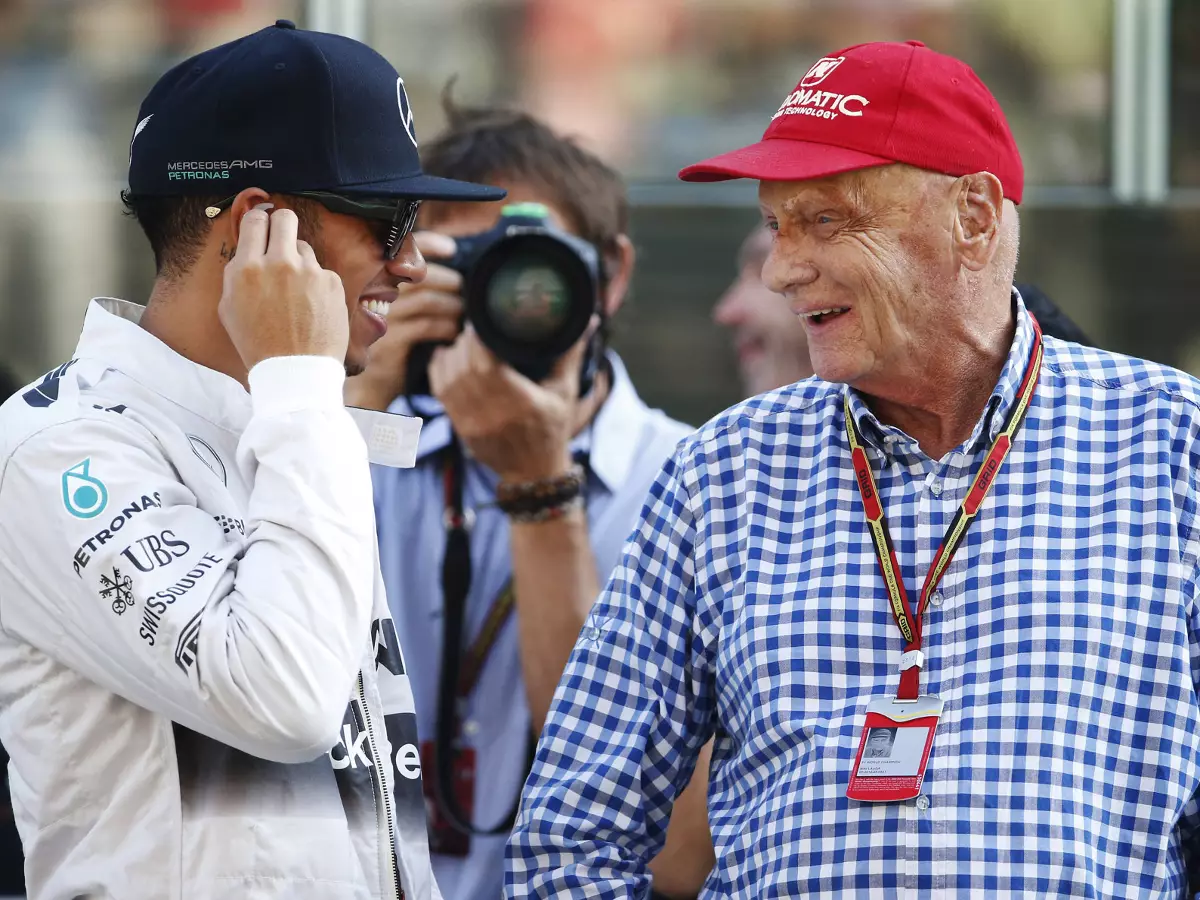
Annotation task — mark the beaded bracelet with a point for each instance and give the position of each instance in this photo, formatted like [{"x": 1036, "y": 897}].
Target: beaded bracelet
[
  {"x": 547, "y": 513},
  {"x": 538, "y": 501}
]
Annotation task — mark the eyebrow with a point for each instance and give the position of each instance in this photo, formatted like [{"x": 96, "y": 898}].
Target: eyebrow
[{"x": 792, "y": 204}]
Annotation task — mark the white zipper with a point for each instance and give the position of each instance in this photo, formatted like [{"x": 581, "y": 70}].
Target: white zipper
[{"x": 380, "y": 784}]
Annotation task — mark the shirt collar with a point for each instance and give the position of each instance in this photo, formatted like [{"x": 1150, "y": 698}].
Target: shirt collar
[
  {"x": 610, "y": 440},
  {"x": 112, "y": 335},
  {"x": 1004, "y": 394}
]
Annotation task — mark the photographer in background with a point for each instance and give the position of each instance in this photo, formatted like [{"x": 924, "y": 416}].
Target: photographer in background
[{"x": 491, "y": 602}]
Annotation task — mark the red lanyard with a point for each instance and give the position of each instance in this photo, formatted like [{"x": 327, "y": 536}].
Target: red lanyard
[{"x": 908, "y": 623}]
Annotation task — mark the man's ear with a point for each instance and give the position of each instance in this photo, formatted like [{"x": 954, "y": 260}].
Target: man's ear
[
  {"x": 979, "y": 208},
  {"x": 619, "y": 265},
  {"x": 242, "y": 204}
]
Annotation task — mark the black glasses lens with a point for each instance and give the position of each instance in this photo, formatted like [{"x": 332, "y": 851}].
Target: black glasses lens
[{"x": 401, "y": 227}]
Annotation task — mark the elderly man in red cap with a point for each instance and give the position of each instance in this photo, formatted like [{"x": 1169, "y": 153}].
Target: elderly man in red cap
[{"x": 977, "y": 542}]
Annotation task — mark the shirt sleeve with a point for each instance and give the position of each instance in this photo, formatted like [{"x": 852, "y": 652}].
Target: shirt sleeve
[
  {"x": 627, "y": 722},
  {"x": 112, "y": 568}
]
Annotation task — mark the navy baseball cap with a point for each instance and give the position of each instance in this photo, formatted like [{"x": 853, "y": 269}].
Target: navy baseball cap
[{"x": 284, "y": 110}]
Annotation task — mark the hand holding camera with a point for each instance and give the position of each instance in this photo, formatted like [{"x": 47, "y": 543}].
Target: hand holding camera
[
  {"x": 529, "y": 289},
  {"x": 503, "y": 333},
  {"x": 518, "y": 428},
  {"x": 277, "y": 300}
]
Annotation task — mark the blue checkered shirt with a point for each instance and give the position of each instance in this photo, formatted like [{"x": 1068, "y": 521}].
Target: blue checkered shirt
[{"x": 748, "y": 607}]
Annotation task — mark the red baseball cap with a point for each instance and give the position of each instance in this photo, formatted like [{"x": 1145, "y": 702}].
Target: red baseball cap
[{"x": 875, "y": 104}]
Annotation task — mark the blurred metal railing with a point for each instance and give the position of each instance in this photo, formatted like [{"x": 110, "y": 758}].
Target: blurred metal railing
[
  {"x": 348, "y": 17},
  {"x": 1141, "y": 79}
]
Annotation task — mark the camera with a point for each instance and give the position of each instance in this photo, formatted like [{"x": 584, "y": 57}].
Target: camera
[{"x": 529, "y": 290}]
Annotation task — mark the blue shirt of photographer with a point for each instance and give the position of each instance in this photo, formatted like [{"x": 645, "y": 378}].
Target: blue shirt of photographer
[{"x": 627, "y": 445}]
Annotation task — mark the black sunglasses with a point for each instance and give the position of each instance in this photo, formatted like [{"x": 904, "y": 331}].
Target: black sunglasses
[{"x": 395, "y": 218}]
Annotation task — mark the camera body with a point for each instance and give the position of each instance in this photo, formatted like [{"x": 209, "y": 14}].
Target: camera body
[{"x": 529, "y": 290}]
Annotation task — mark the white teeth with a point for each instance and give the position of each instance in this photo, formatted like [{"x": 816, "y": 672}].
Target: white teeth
[
  {"x": 379, "y": 307},
  {"x": 826, "y": 312}
]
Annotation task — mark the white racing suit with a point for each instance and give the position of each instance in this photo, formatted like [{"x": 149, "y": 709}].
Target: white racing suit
[{"x": 201, "y": 689}]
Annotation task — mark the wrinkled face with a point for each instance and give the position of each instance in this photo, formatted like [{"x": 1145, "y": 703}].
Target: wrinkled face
[
  {"x": 353, "y": 248},
  {"x": 772, "y": 349},
  {"x": 862, "y": 259}
]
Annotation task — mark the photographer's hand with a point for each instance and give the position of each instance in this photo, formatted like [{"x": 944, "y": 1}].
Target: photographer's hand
[
  {"x": 429, "y": 311},
  {"x": 518, "y": 428}
]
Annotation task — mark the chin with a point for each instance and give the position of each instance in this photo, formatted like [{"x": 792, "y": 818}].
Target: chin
[
  {"x": 837, "y": 369},
  {"x": 355, "y": 363}
]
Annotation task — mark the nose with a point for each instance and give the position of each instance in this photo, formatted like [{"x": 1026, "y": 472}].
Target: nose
[
  {"x": 409, "y": 265},
  {"x": 730, "y": 310},
  {"x": 786, "y": 269}
]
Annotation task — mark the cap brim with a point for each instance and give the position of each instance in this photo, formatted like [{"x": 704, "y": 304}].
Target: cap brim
[
  {"x": 779, "y": 159},
  {"x": 425, "y": 187}
]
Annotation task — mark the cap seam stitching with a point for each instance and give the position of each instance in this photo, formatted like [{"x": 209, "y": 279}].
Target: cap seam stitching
[
  {"x": 900, "y": 97},
  {"x": 333, "y": 136}
]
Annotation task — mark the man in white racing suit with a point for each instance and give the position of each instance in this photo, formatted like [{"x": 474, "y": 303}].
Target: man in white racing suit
[{"x": 201, "y": 689}]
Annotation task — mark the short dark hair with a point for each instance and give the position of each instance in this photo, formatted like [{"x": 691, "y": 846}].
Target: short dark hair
[
  {"x": 175, "y": 227},
  {"x": 482, "y": 144}
]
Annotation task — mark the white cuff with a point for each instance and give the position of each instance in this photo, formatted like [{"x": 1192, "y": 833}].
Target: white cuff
[{"x": 284, "y": 384}]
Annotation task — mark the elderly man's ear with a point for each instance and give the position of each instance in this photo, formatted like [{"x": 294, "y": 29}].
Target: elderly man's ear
[{"x": 979, "y": 205}]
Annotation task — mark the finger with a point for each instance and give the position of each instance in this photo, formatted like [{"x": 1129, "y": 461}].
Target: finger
[
  {"x": 252, "y": 234},
  {"x": 307, "y": 253},
  {"x": 437, "y": 372},
  {"x": 282, "y": 239},
  {"x": 336, "y": 286},
  {"x": 445, "y": 371},
  {"x": 567, "y": 365},
  {"x": 433, "y": 245},
  {"x": 437, "y": 278},
  {"x": 478, "y": 357},
  {"x": 415, "y": 331},
  {"x": 426, "y": 306}
]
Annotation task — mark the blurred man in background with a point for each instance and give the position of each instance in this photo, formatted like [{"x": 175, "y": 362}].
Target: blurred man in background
[
  {"x": 546, "y": 487},
  {"x": 769, "y": 339}
]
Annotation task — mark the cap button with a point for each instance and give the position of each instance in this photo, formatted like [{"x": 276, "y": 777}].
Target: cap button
[
  {"x": 285, "y": 23},
  {"x": 910, "y": 43}
]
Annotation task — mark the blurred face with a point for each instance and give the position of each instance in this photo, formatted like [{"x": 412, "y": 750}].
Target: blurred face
[
  {"x": 864, "y": 260},
  {"x": 769, "y": 339},
  {"x": 353, "y": 248}
]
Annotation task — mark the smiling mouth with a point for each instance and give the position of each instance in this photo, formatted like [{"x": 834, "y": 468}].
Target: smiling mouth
[
  {"x": 818, "y": 316},
  {"x": 379, "y": 307}
]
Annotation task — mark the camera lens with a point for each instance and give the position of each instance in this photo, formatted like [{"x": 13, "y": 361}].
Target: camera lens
[{"x": 528, "y": 300}]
